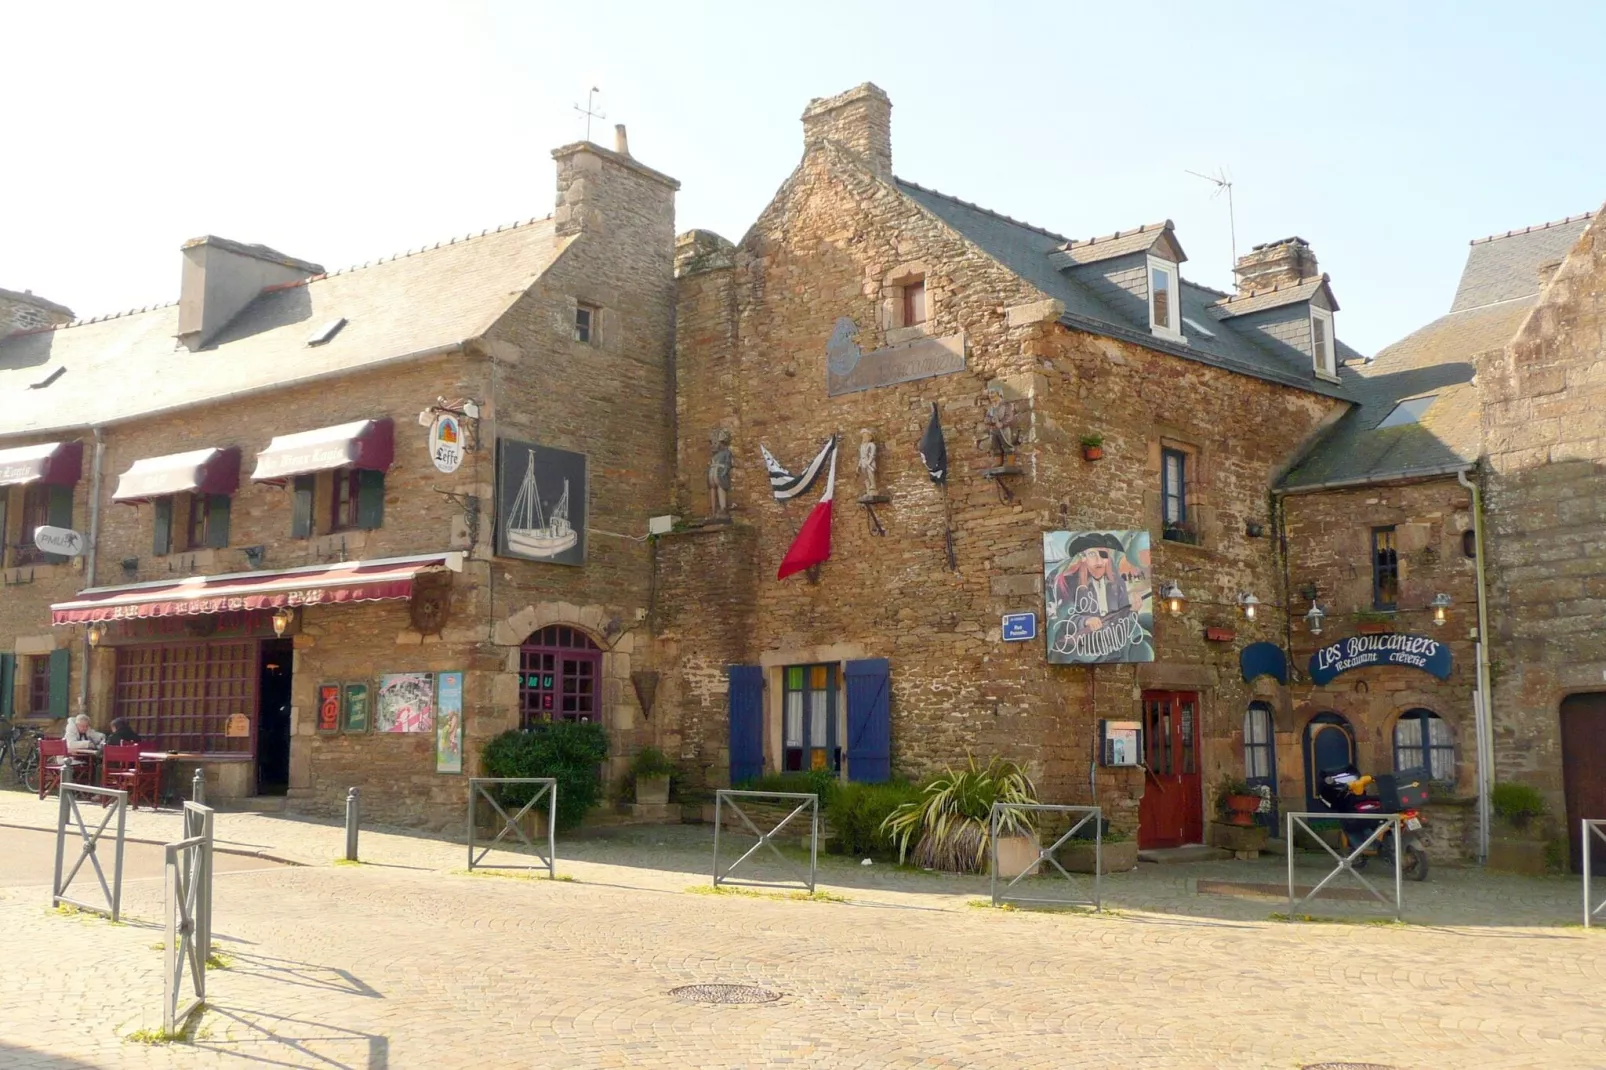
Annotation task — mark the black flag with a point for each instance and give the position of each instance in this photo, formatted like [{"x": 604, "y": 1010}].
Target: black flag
[{"x": 933, "y": 450}]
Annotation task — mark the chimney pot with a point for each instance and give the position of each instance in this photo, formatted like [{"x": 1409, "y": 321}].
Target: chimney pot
[{"x": 621, "y": 143}]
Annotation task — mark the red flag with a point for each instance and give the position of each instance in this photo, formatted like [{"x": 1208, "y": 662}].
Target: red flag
[{"x": 813, "y": 542}]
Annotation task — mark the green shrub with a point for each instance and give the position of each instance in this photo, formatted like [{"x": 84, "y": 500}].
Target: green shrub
[
  {"x": 568, "y": 752},
  {"x": 949, "y": 823},
  {"x": 651, "y": 762},
  {"x": 821, "y": 782},
  {"x": 858, "y": 815},
  {"x": 1517, "y": 803}
]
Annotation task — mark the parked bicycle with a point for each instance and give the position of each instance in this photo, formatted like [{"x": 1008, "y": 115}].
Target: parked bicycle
[{"x": 19, "y": 748}]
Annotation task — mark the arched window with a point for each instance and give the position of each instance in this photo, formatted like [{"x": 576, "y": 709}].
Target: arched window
[
  {"x": 559, "y": 673},
  {"x": 1423, "y": 744},
  {"x": 1259, "y": 755}
]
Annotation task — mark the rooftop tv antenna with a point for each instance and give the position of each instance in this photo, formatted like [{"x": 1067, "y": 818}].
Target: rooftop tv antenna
[
  {"x": 590, "y": 111},
  {"x": 1223, "y": 184}
]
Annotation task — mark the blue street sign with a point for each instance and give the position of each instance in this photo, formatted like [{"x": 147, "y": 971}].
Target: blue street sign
[{"x": 1019, "y": 627}]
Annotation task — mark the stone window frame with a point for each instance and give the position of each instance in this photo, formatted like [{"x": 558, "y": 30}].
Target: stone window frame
[
  {"x": 835, "y": 706},
  {"x": 1172, "y": 329},
  {"x": 1425, "y": 716},
  {"x": 1324, "y": 357},
  {"x": 1374, "y": 552},
  {"x": 894, "y": 287},
  {"x": 593, "y": 323},
  {"x": 1195, "y": 496}
]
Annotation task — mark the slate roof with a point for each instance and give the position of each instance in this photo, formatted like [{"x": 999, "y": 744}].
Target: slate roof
[
  {"x": 1499, "y": 287},
  {"x": 1031, "y": 252},
  {"x": 130, "y": 365},
  {"x": 1276, "y": 297},
  {"x": 1121, "y": 243}
]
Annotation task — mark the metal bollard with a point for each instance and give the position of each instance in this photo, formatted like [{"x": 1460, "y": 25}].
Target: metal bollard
[
  {"x": 66, "y": 769},
  {"x": 198, "y": 788},
  {"x": 352, "y": 817}
]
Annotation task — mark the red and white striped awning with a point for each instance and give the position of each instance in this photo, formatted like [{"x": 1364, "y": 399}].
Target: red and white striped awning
[{"x": 314, "y": 585}]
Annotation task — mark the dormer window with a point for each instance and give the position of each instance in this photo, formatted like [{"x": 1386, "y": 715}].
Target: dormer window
[
  {"x": 1165, "y": 313},
  {"x": 1321, "y": 343}
]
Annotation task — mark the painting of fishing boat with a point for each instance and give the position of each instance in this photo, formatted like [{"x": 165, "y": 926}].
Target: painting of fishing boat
[{"x": 545, "y": 494}]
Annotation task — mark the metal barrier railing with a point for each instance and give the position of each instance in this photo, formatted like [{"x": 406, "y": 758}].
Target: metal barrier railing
[
  {"x": 116, "y": 803},
  {"x": 1592, "y": 828},
  {"x": 189, "y": 917},
  {"x": 1386, "y": 823},
  {"x": 547, "y": 789},
  {"x": 805, "y": 801},
  {"x": 1093, "y": 813}
]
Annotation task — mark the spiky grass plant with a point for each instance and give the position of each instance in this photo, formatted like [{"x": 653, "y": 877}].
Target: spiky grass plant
[{"x": 950, "y": 824}]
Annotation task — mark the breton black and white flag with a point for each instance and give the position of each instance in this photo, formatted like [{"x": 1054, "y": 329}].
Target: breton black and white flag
[
  {"x": 933, "y": 450},
  {"x": 783, "y": 484}
]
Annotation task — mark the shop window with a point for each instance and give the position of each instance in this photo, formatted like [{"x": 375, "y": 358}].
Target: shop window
[
  {"x": 1385, "y": 570},
  {"x": 560, "y": 674},
  {"x": 1258, "y": 744},
  {"x": 1423, "y": 744},
  {"x": 181, "y": 696},
  {"x": 808, "y": 721},
  {"x": 914, "y": 302}
]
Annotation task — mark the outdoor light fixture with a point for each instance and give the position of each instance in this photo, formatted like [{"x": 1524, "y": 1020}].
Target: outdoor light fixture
[
  {"x": 1249, "y": 604},
  {"x": 96, "y": 631},
  {"x": 282, "y": 619},
  {"x": 1314, "y": 618},
  {"x": 1175, "y": 601},
  {"x": 1441, "y": 608}
]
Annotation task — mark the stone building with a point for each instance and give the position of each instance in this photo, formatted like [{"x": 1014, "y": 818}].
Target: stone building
[
  {"x": 861, "y": 302},
  {"x": 338, "y": 527}
]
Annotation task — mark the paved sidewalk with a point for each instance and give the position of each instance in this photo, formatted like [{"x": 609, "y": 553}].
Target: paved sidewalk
[{"x": 408, "y": 962}]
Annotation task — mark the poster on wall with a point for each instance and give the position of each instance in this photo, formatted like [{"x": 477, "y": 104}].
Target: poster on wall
[
  {"x": 406, "y": 703},
  {"x": 1098, "y": 597},
  {"x": 449, "y": 723},
  {"x": 328, "y": 707},
  {"x": 540, "y": 503},
  {"x": 355, "y": 720}
]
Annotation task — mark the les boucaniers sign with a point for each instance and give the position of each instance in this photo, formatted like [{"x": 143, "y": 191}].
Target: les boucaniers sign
[{"x": 1360, "y": 651}]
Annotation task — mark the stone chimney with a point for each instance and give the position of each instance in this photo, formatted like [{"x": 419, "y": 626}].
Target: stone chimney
[
  {"x": 26, "y": 312},
  {"x": 621, "y": 143},
  {"x": 1277, "y": 263},
  {"x": 859, "y": 120},
  {"x": 221, "y": 277},
  {"x": 596, "y": 187}
]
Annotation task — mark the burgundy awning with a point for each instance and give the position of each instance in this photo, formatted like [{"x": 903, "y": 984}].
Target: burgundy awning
[
  {"x": 57, "y": 463},
  {"x": 210, "y": 471},
  {"x": 361, "y": 444},
  {"x": 349, "y": 581}
]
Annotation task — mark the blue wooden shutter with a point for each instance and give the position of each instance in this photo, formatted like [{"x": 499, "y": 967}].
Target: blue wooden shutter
[
  {"x": 8, "y": 684},
  {"x": 217, "y": 521},
  {"x": 60, "y": 675},
  {"x": 162, "y": 526},
  {"x": 301, "y": 507},
  {"x": 370, "y": 498},
  {"x": 869, "y": 720},
  {"x": 747, "y": 722}
]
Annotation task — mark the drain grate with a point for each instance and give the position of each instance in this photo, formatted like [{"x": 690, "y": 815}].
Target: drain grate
[
  {"x": 1345, "y": 1066},
  {"x": 724, "y": 994}
]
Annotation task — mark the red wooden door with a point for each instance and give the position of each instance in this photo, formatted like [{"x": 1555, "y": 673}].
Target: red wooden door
[
  {"x": 1172, "y": 811},
  {"x": 1583, "y": 770}
]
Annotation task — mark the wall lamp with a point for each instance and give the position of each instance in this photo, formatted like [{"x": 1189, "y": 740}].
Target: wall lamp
[
  {"x": 96, "y": 632},
  {"x": 282, "y": 619},
  {"x": 1249, "y": 605},
  {"x": 1175, "y": 601},
  {"x": 1314, "y": 618},
  {"x": 1441, "y": 609}
]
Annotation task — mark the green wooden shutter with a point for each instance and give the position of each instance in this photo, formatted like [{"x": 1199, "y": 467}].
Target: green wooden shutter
[
  {"x": 59, "y": 515},
  {"x": 60, "y": 681},
  {"x": 301, "y": 506},
  {"x": 162, "y": 526},
  {"x": 5, "y": 494},
  {"x": 370, "y": 499},
  {"x": 217, "y": 521},
  {"x": 8, "y": 684}
]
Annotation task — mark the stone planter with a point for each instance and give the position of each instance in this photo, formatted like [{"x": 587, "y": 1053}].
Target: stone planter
[
  {"x": 1119, "y": 857},
  {"x": 1017, "y": 855},
  {"x": 1242, "y": 809},
  {"x": 1241, "y": 840},
  {"x": 652, "y": 790}
]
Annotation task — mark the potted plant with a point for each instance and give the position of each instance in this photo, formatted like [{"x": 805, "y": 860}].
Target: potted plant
[
  {"x": 1239, "y": 802},
  {"x": 949, "y": 826},
  {"x": 1092, "y": 447},
  {"x": 1372, "y": 622},
  {"x": 1518, "y": 843},
  {"x": 651, "y": 769}
]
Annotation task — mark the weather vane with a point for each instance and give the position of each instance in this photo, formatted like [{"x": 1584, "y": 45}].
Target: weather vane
[
  {"x": 590, "y": 111},
  {"x": 1224, "y": 184}
]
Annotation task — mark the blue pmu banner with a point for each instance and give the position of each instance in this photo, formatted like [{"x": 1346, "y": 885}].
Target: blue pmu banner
[
  {"x": 1099, "y": 601},
  {"x": 1360, "y": 651}
]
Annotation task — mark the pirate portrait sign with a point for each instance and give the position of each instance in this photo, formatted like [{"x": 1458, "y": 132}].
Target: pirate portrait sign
[{"x": 1099, "y": 601}]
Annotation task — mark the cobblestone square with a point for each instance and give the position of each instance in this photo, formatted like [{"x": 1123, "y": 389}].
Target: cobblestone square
[{"x": 408, "y": 961}]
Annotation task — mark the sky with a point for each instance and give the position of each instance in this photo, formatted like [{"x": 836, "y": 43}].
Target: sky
[{"x": 1385, "y": 134}]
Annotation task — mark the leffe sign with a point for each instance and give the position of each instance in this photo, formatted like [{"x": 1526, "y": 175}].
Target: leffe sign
[
  {"x": 1360, "y": 651},
  {"x": 63, "y": 541}
]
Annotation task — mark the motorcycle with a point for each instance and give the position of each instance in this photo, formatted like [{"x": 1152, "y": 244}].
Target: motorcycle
[{"x": 1347, "y": 791}]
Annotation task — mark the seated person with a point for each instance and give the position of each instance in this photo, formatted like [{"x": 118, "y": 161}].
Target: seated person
[
  {"x": 80, "y": 737},
  {"x": 123, "y": 732}
]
